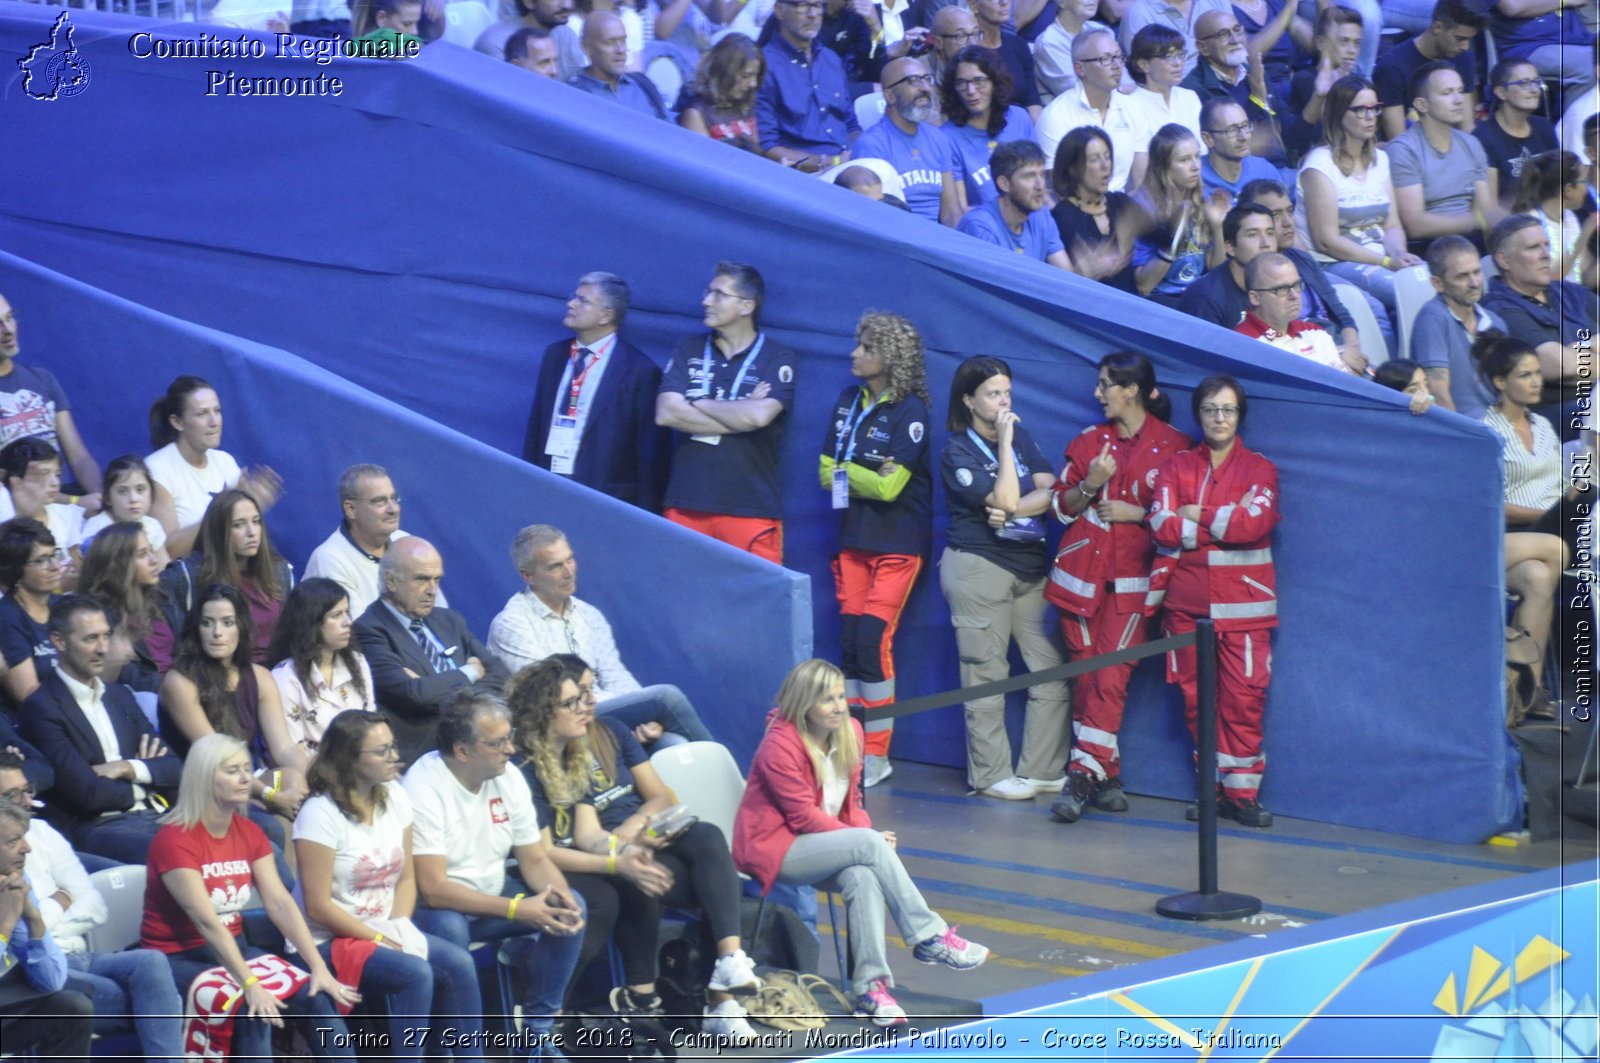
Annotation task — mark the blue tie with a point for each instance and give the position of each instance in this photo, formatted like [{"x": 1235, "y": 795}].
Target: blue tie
[{"x": 436, "y": 659}]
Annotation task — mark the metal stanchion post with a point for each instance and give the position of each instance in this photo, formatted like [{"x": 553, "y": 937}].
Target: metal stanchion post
[{"x": 1208, "y": 902}]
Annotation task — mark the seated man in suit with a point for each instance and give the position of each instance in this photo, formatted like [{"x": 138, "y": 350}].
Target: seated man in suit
[
  {"x": 594, "y": 409},
  {"x": 108, "y": 760},
  {"x": 420, "y": 654}
]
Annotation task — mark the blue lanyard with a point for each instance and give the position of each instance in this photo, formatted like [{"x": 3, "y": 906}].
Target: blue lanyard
[
  {"x": 844, "y": 448},
  {"x": 710, "y": 364},
  {"x": 1022, "y": 466}
]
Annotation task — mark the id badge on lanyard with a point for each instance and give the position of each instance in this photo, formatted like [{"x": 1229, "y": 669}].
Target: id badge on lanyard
[
  {"x": 709, "y": 363},
  {"x": 566, "y": 427},
  {"x": 844, "y": 449},
  {"x": 1017, "y": 529}
]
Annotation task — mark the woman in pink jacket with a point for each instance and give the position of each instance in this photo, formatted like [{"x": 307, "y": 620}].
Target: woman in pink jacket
[{"x": 801, "y": 823}]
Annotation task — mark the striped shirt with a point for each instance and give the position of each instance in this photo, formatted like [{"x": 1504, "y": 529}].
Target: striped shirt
[{"x": 1532, "y": 479}]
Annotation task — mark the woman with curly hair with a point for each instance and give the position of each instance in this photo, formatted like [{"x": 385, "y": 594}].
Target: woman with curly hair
[
  {"x": 977, "y": 94},
  {"x": 875, "y": 461},
  {"x": 1182, "y": 235},
  {"x": 720, "y": 102},
  {"x": 235, "y": 549},
  {"x": 318, "y": 669},
  {"x": 121, "y": 571},
  {"x": 600, "y": 792}
]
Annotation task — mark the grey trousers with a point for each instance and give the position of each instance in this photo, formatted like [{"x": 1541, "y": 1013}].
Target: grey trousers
[
  {"x": 858, "y": 862},
  {"x": 989, "y": 607}
]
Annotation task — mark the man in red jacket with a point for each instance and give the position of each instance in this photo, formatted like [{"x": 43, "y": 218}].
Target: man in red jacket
[{"x": 1214, "y": 510}]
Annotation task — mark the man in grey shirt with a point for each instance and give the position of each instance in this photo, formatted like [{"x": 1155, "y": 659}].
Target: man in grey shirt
[
  {"x": 1447, "y": 326},
  {"x": 1440, "y": 174}
]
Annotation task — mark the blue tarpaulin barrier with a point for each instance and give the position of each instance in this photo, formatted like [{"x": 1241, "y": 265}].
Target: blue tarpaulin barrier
[{"x": 417, "y": 235}]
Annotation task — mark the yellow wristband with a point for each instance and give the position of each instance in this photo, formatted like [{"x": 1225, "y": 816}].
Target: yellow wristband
[
  {"x": 4, "y": 941},
  {"x": 1387, "y": 262},
  {"x": 611, "y": 844},
  {"x": 377, "y": 938},
  {"x": 277, "y": 783},
  {"x": 611, "y": 864},
  {"x": 511, "y": 909},
  {"x": 254, "y": 979},
  {"x": 72, "y": 500}
]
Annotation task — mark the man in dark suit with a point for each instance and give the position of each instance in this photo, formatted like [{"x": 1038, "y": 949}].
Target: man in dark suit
[
  {"x": 109, "y": 762},
  {"x": 593, "y": 416},
  {"x": 420, "y": 654}
]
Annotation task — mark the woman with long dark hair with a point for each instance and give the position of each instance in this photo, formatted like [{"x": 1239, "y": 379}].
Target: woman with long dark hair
[
  {"x": 215, "y": 687},
  {"x": 875, "y": 462},
  {"x": 233, "y": 547},
  {"x": 1215, "y": 506},
  {"x": 352, "y": 842},
  {"x": 1102, "y": 569},
  {"x": 801, "y": 822},
  {"x": 207, "y": 864},
  {"x": 997, "y": 486},
  {"x": 30, "y": 574},
  {"x": 1181, "y": 227},
  {"x": 1095, "y": 223},
  {"x": 317, "y": 667},
  {"x": 977, "y": 94},
  {"x": 596, "y": 783},
  {"x": 720, "y": 102}
]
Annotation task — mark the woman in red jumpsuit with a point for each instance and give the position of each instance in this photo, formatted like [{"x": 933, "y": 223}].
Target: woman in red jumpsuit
[
  {"x": 1101, "y": 578},
  {"x": 1214, "y": 510}
]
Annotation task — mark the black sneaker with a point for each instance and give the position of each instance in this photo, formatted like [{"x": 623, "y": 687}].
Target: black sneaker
[
  {"x": 1108, "y": 796},
  {"x": 1248, "y": 812},
  {"x": 1077, "y": 790},
  {"x": 1191, "y": 811},
  {"x": 625, "y": 1001}
]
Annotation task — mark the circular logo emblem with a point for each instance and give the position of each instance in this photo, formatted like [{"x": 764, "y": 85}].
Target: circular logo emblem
[
  {"x": 916, "y": 431},
  {"x": 964, "y": 477},
  {"x": 785, "y": 373}
]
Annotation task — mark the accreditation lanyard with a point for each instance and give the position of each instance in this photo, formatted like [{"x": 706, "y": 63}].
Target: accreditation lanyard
[
  {"x": 572, "y": 410},
  {"x": 844, "y": 447},
  {"x": 709, "y": 362},
  {"x": 978, "y": 441},
  {"x": 572, "y": 383},
  {"x": 1017, "y": 529}
]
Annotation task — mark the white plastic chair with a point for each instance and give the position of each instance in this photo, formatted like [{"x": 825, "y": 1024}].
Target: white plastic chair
[
  {"x": 705, "y": 778},
  {"x": 1412, "y": 290},
  {"x": 869, "y": 109},
  {"x": 465, "y": 21},
  {"x": 1355, "y": 301},
  {"x": 665, "y": 74},
  {"x": 123, "y": 890}
]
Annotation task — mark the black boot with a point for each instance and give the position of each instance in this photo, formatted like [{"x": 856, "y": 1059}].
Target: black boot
[{"x": 1077, "y": 790}]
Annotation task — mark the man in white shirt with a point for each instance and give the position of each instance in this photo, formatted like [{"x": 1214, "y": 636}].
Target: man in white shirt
[
  {"x": 1098, "y": 60},
  {"x": 469, "y": 815},
  {"x": 547, "y": 618},
  {"x": 131, "y": 989},
  {"x": 350, "y": 556}
]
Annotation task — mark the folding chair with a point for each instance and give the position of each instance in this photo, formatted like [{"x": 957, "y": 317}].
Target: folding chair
[
  {"x": 1412, "y": 290},
  {"x": 123, "y": 890}
]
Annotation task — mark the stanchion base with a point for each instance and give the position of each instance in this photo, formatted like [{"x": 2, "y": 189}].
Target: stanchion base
[{"x": 1199, "y": 906}]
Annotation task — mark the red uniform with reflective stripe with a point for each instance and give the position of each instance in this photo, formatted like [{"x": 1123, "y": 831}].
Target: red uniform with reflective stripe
[
  {"x": 1221, "y": 566},
  {"x": 1092, "y": 553}
]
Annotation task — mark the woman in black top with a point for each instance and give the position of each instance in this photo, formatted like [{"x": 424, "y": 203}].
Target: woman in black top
[
  {"x": 1514, "y": 131},
  {"x": 997, "y": 487},
  {"x": 1093, "y": 220}
]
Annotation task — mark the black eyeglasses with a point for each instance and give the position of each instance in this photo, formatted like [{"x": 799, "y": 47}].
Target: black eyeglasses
[
  {"x": 962, "y": 35},
  {"x": 1243, "y": 129},
  {"x": 1234, "y": 30},
  {"x": 1523, "y": 83},
  {"x": 1106, "y": 62},
  {"x": 1283, "y": 289},
  {"x": 924, "y": 80},
  {"x": 1366, "y": 112}
]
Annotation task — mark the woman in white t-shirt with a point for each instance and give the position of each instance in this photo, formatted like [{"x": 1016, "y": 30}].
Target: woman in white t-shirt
[
  {"x": 1345, "y": 210},
  {"x": 319, "y": 671},
  {"x": 352, "y": 839},
  {"x": 189, "y": 468}
]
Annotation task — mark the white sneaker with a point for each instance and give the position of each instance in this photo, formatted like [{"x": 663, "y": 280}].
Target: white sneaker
[
  {"x": 875, "y": 770},
  {"x": 727, "y": 1022},
  {"x": 1046, "y": 786},
  {"x": 734, "y": 973},
  {"x": 1015, "y": 788}
]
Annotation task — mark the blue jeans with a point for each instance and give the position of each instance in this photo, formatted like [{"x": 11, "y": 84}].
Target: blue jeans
[
  {"x": 315, "y": 1014},
  {"x": 125, "y": 837},
  {"x": 664, "y": 704},
  {"x": 546, "y": 961},
  {"x": 438, "y": 993},
  {"x": 1378, "y": 284},
  {"x": 132, "y": 990}
]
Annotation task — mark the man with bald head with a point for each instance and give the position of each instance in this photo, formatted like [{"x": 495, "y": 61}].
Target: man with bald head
[
  {"x": 421, "y": 653},
  {"x": 1272, "y": 284},
  {"x": 919, "y": 151},
  {"x": 953, "y": 29},
  {"x": 605, "y": 42}
]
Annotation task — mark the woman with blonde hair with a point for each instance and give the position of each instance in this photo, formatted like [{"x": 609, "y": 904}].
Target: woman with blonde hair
[
  {"x": 801, "y": 823},
  {"x": 1182, "y": 226},
  {"x": 875, "y": 461},
  {"x": 206, "y": 866}
]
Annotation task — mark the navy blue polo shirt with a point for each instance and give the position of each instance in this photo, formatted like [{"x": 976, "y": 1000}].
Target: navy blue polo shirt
[
  {"x": 968, "y": 475},
  {"x": 804, "y": 101},
  {"x": 897, "y": 430},
  {"x": 737, "y": 476}
]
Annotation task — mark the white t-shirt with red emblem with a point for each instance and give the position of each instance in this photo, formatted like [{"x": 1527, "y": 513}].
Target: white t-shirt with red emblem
[
  {"x": 474, "y": 832},
  {"x": 367, "y": 857},
  {"x": 224, "y": 865}
]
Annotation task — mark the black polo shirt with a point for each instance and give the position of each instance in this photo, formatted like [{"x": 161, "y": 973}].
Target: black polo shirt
[
  {"x": 968, "y": 474},
  {"x": 897, "y": 430}
]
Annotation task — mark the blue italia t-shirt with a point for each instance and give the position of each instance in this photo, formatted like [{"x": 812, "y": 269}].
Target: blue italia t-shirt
[
  {"x": 921, "y": 161},
  {"x": 737, "y": 475},
  {"x": 975, "y": 146},
  {"x": 1039, "y": 237}
]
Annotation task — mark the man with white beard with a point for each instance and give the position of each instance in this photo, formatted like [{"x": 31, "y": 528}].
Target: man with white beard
[
  {"x": 1225, "y": 69},
  {"x": 919, "y": 151}
]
